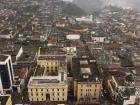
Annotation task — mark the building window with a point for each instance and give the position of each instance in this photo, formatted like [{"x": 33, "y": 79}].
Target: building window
[
  {"x": 52, "y": 89},
  {"x": 81, "y": 94},
  {"x": 63, "y": 99},
  {"x": 81, "y": 85},
  {"x": 31, "y": 94},
  {"x": 62, "y": 76},
  {"x": 63, "y": 94},
  {"x": 56, "y": 63},
  {"x": 58, "y": 99},
  {"x": 95, "y": 86},
  {"x": 94, "y": 98},
  {"x": 53, "y": 99},
  {"x": 57, "y": 89},
  {"x": 63, "y": 89},
  {"x": 37, "y": 99},
  {"x": 95, "y": 90},
  {"x": 36, "y": 94},
  {"x": 42, "y": 94},
  {"x": 47, "y": 90},
  {"x": 53, "y": 94},
  {"x": 58, "y": 94},
  {"x": 81, "y": 90},
  {"x": 41, "y": 89},
  {"x": 36, "y": 89},
  {"x": 31, "y": 90},
  {"x": 88, "y": 85},
  {"x": 42, "y": 99}
]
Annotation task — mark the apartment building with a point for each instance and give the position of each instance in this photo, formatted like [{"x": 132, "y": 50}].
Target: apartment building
[{"x": 87, "y": 82}]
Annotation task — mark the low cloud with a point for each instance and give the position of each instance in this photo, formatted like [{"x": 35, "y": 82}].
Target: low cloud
[
  {"x": 92, "y": 5},
  {"x": 134, "y": 4}
]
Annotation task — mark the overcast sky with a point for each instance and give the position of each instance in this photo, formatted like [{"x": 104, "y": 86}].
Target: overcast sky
[
  {"x": 68, "y": 0},
  {"x": 122, "y": 3}
]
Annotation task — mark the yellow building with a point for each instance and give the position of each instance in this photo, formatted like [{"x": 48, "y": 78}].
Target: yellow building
[
  {"x": 5, "y": 100},
  {"x": 49, "y": 82},
  {"x": 51, "y": 64},
  {"x": 50, "y": 59},
  {"x": 48, "y": 88},
  {"x": 87, "y": 83}
]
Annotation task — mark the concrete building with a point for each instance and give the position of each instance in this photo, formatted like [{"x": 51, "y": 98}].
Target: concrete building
[
  {"x": 48, "y": 88},
  {"x": 88, "y": 19},
  {"x": 6, "y": 100},
  {"x": 114, "y": 87},
  {"x": 118, "y": 84},
  {"x": 16, "y": 51},
  {"x": 137, "y": 87},
  {"x": 6, "y": 34},
  {"x": 49, "y": 82},
  {"x": 51, "y": 64},
  {"x": 98, "y": 38},
  {"x": 126, "y": 97},
  {"x": 87, "y": 82},
  {"x": 71, "y": 52},
  {"x": 20, "y": 77},
  {"x": 51, "y": 60},
  {"x": 6, "y": 74}
]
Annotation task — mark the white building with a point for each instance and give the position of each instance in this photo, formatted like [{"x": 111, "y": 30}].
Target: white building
[
  {"x": 88, "y": 19},
  {"x": 6, "y": 34},
  {"x": 98, "y": 39},
  {"x": 6, "y": 74}
]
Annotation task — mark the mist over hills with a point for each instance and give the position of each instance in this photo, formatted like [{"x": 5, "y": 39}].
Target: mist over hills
[
  {"x": 93, "y": 5},
  {"x": 90, "y": 5}
]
